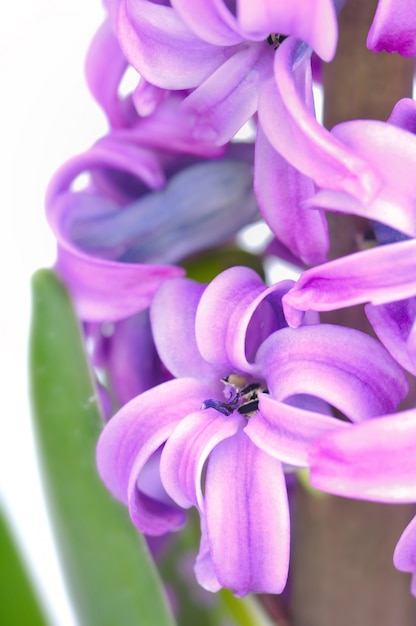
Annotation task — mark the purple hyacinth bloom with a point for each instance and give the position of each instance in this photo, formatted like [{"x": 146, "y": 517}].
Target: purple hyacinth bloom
[
  {"x": 222, "y": 55},
  {"x": 155, "y": 195},
  {"x": 361, "y": 167},
  {"x": 384, "y": 277},
  {"x": 248, "y": 398},
  {"x": 389, "y": 149},
  {"x": 394, "y": 27},
  {"x": 202, "y": 43}
]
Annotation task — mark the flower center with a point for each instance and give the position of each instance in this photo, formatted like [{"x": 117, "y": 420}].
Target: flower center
[
  {"x": 275, "y": 40},
  {"x": 240, "y": 395}
]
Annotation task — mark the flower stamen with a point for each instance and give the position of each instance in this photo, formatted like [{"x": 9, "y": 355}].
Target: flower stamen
[
  {"x": 240, "y": 396},
  {"x": 275, "y": 40}
]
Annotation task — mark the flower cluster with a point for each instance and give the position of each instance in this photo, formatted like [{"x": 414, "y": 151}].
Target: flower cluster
[{"x": 223, "y": 388}]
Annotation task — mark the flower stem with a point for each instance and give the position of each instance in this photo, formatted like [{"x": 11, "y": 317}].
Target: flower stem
[{"x": 342, "y": 550}]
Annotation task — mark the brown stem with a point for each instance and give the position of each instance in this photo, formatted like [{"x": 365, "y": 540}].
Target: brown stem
[
  {"x": 342, "y": 549},
  {"x": 342, "y": 563}
]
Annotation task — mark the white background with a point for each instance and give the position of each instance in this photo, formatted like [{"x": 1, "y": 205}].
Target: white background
[{"x": 46, "y": 115}]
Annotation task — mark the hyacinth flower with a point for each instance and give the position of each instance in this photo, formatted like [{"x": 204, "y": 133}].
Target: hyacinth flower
[
  {"x": 249, "y": 396},
  {"x": 154, "y": 196},
  {"x": 360, "y": 167},
  {"x": 343, "y": 282},
  {"x": 223, "y": 57},
  {"x": 393, "y": 28}
]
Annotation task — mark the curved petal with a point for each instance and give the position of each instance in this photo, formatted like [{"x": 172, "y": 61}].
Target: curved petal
[
  {"x": 105, "y": 65},
  {"x": 130, "y": 439},
  {"x": 110, "y": 155},
  {"x": 164, "y": 226},
  {"x": 404, "y": 557},
  {"x": 247, "y": 517},
  {"x": 393, "y": 28},
  {"x": 133, "y": 362},
  {"x": 314, "y": 22},
  {"x": 169, "y": 128},
  {"x": 204, "y": 568},
  {"x": 356, "y": 278},
  {"x": 172, "y": 317},
  {"x": 147, "y": 97},
  {"x": 287, "y": 432},
  {"x": 211, "y": 21},
  {"x": 161, "y": 47},
  {"x": 281, "y": 190},
  {"x": 186, "y": 451},
  {"x": 236, "y": 312},
  {"x": 222, "y": 104},
  {"x": 373, "y": 460},
  {"x": 345, "y": 367},
  {"x": 403, "y": 115},
  {"x": 286, "y": 114},
  {"x": 392, "y": 153},
  {"x": 107, "y": 290},
  {"x": 395, "y": 325}
]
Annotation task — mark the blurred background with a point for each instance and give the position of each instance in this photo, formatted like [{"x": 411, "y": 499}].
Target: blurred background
[{"x": 47, "y": 115}]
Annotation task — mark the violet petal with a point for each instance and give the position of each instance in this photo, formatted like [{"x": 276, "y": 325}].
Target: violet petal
[
  {"x": 343, "y": 366},
  {"x": 236, "y": 312},
  {"x": 373, "y": 460},
  {"x": 299, "y": 137},
  {"x": 314, "y": 22},
  {"x": 130, "y": 439},
  {"x": 161, "y": 47},
  {"x": 286, "y": 432},
  {"x": 247, "y": 517},
  {"x": 393, "y": 27},
  {"x": 343, "y": 282},
  {"x": 187, "y": 450},
  {"x": 172, "y": 316}
]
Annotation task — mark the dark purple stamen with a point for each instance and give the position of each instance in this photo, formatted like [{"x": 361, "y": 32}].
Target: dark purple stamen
[
  {"x": 274, "y": 39},
  {"x": 244, "y": 399},
  {"x": 249, "y": 407},
  {"x": 222, "y": 407}
]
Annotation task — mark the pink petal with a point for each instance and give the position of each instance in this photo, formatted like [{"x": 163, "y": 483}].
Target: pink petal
[
  {"x": 345, "y": 367},
  {"x": 405, "y": 553},
  {"x": 187, "y": 450},
  {"x": 173, "y": 321},
  {"x": 287, "y": 432},
  {"x": 161, "y": 47},
  {"x": 211, "y": 21},
  {"x": 247, "y": 518},
  {"x": 314, "y": 22},
  {"x": 373, "y": 460},
  {"x": 133, "y": 436},
  {"x": 281, "y": 191},
  {"x": 356, "y": 278},
  {"x": 299, "y": 137},
  {"x": 236, "y": 312},
  {"x": 393, "y": 28}
]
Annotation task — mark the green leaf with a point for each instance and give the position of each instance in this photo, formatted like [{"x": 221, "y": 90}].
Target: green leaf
[
  {"x": 18, "y": 600},
  {"x": 111, "y": 577}
]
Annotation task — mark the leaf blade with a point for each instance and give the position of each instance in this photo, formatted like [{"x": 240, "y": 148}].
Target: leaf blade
[{"x": 110, "y": 574}]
